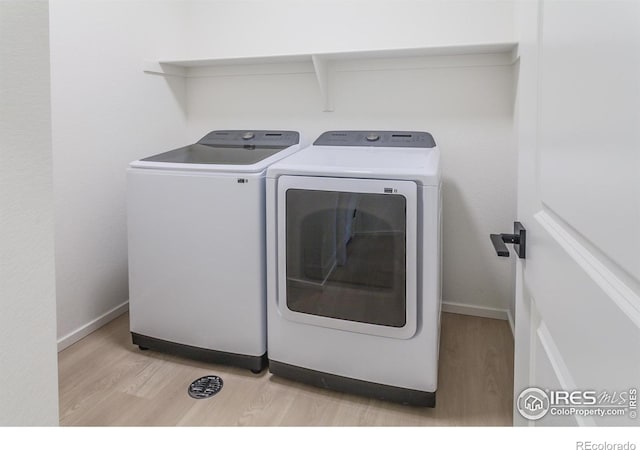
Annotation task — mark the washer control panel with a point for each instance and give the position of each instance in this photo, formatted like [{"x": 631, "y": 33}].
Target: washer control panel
[
  {"x": 416, "y": 139},
  {"x": 259, "y": 138}
]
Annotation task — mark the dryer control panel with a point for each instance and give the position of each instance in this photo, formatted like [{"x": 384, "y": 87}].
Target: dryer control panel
[{"x": 416, "y": 139}]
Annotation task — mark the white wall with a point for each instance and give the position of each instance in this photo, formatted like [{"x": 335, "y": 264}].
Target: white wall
[
  {"x": 106, "y": 113},
  {"x": 467, "y": 107},
  {"x": 228, "y": 28},
  {"x": 28, "y": 362}
]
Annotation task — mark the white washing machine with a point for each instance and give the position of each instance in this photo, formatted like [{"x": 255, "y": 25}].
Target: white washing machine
[
  {"x": 354, "y": 263},
  {"x": 196, "y": 230}
]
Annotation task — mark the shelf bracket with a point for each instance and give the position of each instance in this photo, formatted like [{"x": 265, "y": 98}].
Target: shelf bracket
[{"x": 321, "y": 67}]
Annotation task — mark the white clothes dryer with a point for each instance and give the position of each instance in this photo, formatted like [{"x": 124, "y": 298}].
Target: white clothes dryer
[
  {"x": 196, "y": 230},
  {"x": 354, "y": 264}
]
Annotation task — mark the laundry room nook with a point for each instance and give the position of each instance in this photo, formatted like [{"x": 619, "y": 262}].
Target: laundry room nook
[{"x": 322, "y": 213}]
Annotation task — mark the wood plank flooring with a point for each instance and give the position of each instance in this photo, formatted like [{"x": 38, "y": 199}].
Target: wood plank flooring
[{"x": 106, "y": 380}]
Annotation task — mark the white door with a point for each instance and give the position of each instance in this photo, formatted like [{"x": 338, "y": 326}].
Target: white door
[{"x": 578, "y": 290}]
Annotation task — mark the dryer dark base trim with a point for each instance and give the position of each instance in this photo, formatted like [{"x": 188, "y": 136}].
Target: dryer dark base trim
[
  {"x": 253, "y": 363},
  {"x": 352, "y": 386}
]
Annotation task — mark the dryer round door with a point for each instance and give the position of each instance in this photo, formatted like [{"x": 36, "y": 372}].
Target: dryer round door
[{"x": 347, "y": 254}]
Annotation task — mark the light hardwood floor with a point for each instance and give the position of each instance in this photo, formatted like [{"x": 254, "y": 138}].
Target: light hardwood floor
[{"x": 106, "y": 380}]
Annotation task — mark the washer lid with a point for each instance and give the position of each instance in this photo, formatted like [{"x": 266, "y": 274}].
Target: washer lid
[
  {"x": 215, "y": 154},
  {"x": 230, "y": 149}
]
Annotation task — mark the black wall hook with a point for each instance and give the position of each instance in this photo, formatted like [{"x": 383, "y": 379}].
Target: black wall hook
[{"x": 518, "y": 239}]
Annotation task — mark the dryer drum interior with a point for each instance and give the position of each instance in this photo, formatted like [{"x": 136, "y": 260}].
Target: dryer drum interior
[{"x": 346, "y": 255}]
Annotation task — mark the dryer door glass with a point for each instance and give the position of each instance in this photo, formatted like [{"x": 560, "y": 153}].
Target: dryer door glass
[{"x": 346, "y": 255}]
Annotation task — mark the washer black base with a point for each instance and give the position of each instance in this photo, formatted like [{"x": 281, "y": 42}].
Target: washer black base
[
  {"x": 253, "y": 363},
  {"x": 350, "y": 385}
]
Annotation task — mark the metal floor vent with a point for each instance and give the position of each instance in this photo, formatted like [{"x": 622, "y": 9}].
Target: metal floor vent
[{"x": 205, "y": 387}]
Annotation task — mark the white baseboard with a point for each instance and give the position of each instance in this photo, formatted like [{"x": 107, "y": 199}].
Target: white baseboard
[
  {"x": 474, "y": 310},
  {"x": 92, "y": 326},
  {"x": 450, "y": 307}
]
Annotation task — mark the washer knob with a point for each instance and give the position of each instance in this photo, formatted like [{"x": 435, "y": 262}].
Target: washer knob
[
  {"x": 248, "y": 135},
  {"x": 373, "y": 137}
]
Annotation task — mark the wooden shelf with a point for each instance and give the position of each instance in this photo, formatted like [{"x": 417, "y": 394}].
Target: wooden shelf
[{"x": 322, "y": 64}]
